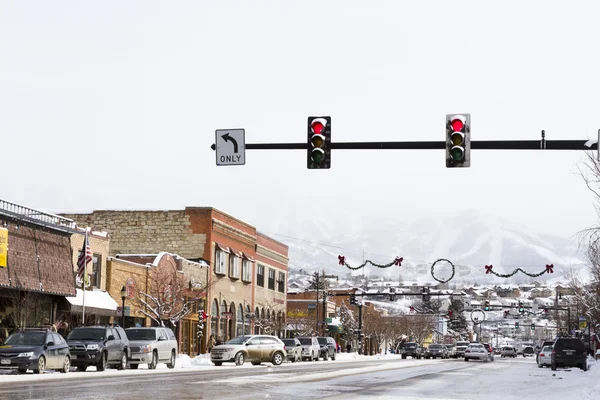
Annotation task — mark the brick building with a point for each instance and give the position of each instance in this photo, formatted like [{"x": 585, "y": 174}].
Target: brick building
[
  {"x": 36, "y": 270},
  {"x": 248, "y": 270}
]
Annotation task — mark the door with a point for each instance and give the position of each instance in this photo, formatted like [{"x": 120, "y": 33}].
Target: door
[
  {"x": 61, "y": 350},
  {"x": 51, "y": 353},
  {"x": 163, "y": 344},
  {"x": 114, "y": 352},
  {"x": 253, "y": 348}
]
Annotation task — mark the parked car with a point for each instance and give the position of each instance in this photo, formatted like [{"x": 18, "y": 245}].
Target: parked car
[
  {"x": 411, "y": 349},
  {"x": 35, "y": 349},
  {"x": 293, "y": 348},
  {"x": 254, "y": 348},
  {"x": 508, "y": 351},
  {"x": 545, "y": 357},
  {"x": 100, "y": 346},
  {"x": 477, "y": 351},
  {"x": 451, "y": 349},
  {"x": 569, "y": 352},
  {"x": 151, "y": 346},
  {"x": 327, "y": 347},
  {"x": 310, "y": 347},
  {"x": 459, "y": 349},
  {"x": 544, "y": 344},
  {"x": 436, "y": 350},
  {"x": 490, "y": 350}
]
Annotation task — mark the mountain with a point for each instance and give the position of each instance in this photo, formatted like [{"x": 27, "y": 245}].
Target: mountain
[{"x": 469, "y": 243}]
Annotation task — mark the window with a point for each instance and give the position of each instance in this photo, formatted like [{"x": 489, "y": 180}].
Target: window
[
  {"x": 234, "y": 267},
  {"x": 281, "y": 282},
  {"x": 220, "y": 262},
  {"x": 96, "y": 278},
  {"x": 271, "y": 279},
  {"x": 246, "y": 271},
  {"x": 260, "y": 276}
]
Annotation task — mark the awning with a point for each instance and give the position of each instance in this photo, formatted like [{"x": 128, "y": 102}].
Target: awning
[
  {"x": 236, "y": 253},
  {"x": 96, "y": 302},
  {"x": 222, "y": 247},
  {"x": 247, "y": 257}
]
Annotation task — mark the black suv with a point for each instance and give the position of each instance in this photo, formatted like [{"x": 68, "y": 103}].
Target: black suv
[
  {"x": 568, "y": 352},
  {"x": 410, "y": 349},
  {"x": 99, "y": 346},
  {"x": 328, "y": 347}
]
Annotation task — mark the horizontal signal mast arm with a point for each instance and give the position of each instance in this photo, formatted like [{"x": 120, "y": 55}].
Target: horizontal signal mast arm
[{"x": 439, "y": 145}]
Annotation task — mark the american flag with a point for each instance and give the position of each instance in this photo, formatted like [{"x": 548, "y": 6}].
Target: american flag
[{"x": 85, "y": 256}]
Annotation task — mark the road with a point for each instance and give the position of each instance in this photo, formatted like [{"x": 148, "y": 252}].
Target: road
[{"x": 389, "y": 377}]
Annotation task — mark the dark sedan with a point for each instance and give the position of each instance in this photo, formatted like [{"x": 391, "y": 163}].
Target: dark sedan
[{"x": 36, "y": 349}]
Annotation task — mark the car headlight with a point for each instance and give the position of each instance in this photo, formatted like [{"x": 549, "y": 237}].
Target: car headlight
[
  {"x": 146, "y": 348},
  {"x": 228, "y": 349},
  {"x": 26, "y": 354},
  {"x": 92, "y": 347}
]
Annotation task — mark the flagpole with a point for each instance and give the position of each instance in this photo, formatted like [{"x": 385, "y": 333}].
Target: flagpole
[{"x": 85, "y": 243}]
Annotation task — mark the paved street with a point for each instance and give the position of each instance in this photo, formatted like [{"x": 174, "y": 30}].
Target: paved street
[{"x": 388, "y": 377}]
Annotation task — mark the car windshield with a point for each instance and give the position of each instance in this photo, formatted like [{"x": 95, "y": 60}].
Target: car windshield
[
  {"x": 26, "y": 339},
  {"x": 547, "y": 348},
  {"x": 141, "y": 334},
  {"x": 435, "y": 346},
  {"x": 322, "y": 340},
  {"x": 87, "y": 334},
  {"x": 239, "y": 340},
  {"x": 305, "y": 341},
  {"x": 410, "y": 345},
  {"x": 462, "y": 343},
  {"x": 289, "y": 342}
]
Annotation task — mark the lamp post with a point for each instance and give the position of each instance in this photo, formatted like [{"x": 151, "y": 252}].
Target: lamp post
[{"x": 123, "y": 297}]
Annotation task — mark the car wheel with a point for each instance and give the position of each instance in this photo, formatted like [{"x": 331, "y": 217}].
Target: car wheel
[
  {"x": 81, "y": 368},
  {"x": 584, "y": 366},
  {"x": 326, "y": 356},
  {"x": 101, "y": 366},
  {"x": 218, "y": 363},
  {"x": 66, "y": 365},
  {"x": 22, "y": 370},
  {"x": 123, "y": 364},
  {"x": 41, "y": 367},
  {"x": 277, "y": 358},
  {"x": 333, "y": 357},
  {"x": 239, "y": 359},
  {"x": 152, "y": 364},
  {"x": 134, "y": 366},
  {"x": 553, "y": 367},
  {"x": 171, "y": 363},
  {"x": 466, "y": 359}
]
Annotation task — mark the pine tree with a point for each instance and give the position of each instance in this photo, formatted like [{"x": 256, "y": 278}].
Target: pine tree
[{"x": 458, "y": 322}]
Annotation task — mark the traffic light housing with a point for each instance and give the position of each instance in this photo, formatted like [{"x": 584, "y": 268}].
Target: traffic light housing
[
  {"x": 532, "y": 326},
  {"x": 318, "y": 151},
  {"x": 458, "y": 140},
  {"x": 521, "y": 308},
  {"x": 486, "y": 307},
  {"x": 516, "y": 325},
  {"x": 352, "y": 299},
  {"x": 426, "y": 295}
]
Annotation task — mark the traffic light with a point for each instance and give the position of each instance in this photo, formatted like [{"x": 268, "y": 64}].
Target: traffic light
[
  {"x": 487, "y": 306},
  {"x": 521, "y": 308},
  {"x": 516, "y": 325},
  {"x": 426, "y": 295},
  {"x": 392, "y": 294},
  {"x": 458, "y": 140},
  {"x": 352, "y": 299},
  {"x": 319, "y": 143},
  {"x": 532, "y": 326}
]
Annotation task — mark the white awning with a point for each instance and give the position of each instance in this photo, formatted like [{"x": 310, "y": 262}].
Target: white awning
[{"x": 96, "y": 302}]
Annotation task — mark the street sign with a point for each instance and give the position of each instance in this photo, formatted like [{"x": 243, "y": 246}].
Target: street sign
[{"x": 230, "y": 146}]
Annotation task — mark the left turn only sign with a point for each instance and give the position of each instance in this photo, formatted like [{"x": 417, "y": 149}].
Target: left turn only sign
[{"x": 230, "y": 146}]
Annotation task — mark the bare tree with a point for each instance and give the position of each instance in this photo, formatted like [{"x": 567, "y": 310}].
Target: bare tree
[
  {"x": 170, "y": 297},
  {"x": 420, "y": 326},
  {"x": 301, "y": 322}
]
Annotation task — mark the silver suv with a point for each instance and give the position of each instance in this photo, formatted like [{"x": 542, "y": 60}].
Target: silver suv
[
  {"x": 254, "y": 348},
  {"x": 151, "y": 345}
]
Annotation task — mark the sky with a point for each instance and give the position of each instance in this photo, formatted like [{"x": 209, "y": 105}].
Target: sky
[{"x": 114, "y": 105}]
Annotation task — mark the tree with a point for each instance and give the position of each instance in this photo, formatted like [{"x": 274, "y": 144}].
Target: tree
[
  {"x": 169, "y": 297},
  {"x": 420, "y": 326},
  {"x": 458, "y": 322}
]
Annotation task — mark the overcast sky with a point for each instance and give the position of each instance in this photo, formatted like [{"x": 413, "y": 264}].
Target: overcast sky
[{"x": 113, "y": 104}]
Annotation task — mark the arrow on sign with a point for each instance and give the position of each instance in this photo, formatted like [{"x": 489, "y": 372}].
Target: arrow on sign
[{"x": 228, "y": 138}]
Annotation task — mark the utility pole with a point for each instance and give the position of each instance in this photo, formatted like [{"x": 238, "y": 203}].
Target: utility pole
[
  {"x": 320, "y": 278},
  {"x": 360, "y": 306}
]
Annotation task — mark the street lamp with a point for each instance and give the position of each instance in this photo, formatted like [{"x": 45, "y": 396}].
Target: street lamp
[{"x": 123, "y": 297}]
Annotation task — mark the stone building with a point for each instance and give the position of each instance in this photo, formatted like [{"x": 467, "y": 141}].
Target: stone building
[{"x": 248, "y": 270}]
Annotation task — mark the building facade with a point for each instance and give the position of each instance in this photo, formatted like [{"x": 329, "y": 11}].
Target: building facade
[{"x": 246, "y": 288}]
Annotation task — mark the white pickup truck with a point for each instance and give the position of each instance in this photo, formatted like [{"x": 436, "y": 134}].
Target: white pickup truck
[{"x": 459, "y": 349}]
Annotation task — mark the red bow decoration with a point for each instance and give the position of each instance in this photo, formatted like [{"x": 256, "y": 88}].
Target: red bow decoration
[
  {"x": 488, "y": 269},
  {"x": 398, "y": 261},
  {"x": 342, "y": 260},
  {"x": 550, "y": 268},
  {"x": 204, "y": 316}
]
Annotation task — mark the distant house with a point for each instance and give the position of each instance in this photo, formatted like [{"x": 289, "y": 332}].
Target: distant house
[{"x": 508, "y": 291}]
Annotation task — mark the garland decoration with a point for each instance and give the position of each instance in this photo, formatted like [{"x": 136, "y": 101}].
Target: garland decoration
[
  {"x": 397, "y": 261},
  {"x": 433, "y": 270},
  {"x": 549, "y": 270}
]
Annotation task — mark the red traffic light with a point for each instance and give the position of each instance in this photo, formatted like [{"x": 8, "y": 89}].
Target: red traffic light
[
  {"x": 457, "y": 125},
  {"x": 318, "y": 125}
]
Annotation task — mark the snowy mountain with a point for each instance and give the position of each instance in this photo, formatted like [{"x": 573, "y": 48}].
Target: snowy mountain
[{"x": 470, "y": 243}]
